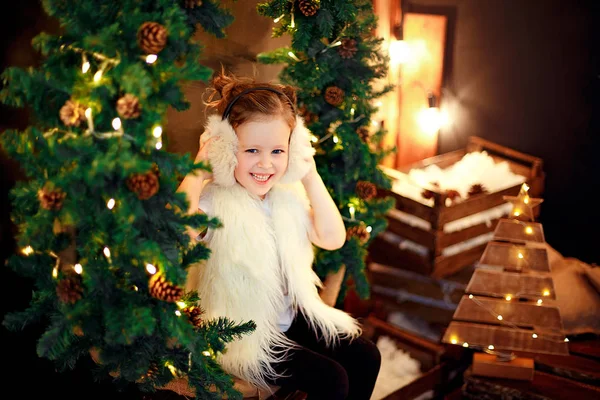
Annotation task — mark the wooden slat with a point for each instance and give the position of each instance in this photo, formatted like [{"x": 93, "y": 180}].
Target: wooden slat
[
  {"x": 411, "y": 206},
  {"x": 479, "y": 144},
  {"x": 513, "y": 231},
  {"x": 448, "y": 265},
  {"x": 384, "y": 252},
  {"x": 505, "y": 256},
  {"x": 499, "y": 284},
  {"x": 448, "y": 239},
  {"x": 475, "y": 204},
  {"x": 480, "y": 309},
  {"x": 502, "y": 338},
  {"x": 386, "y": 276},
  {"x": 424, "y": 238}
]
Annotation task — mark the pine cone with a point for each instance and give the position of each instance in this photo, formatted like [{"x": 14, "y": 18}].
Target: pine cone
[
  {"x": 366, "y": 190},
  {"x": 72, "y": 113},
  {"x": 51, "y": 199},
  {"x": 364, "y": 133},
  {"x": 348, "y": 48},
  {"x": 69, "y": 289},
  {"x": 128, "y": 106},
  {"x": 427, "y": 194},
  {"x": 152, "y": 37},
  {"x": 358, "y": 231},
  {"x": 334, "y": 96},
  {"x": 192, "y": 3},
  {"x": 151, "y": 374},
  {"x": 476, "y": 189},
  {"x": 452, "y": 196},
  {"x": 309, "y": 7},
  {"x": 194, "y": 313},
  {"x": 163, "y": 290},
  {"x": 144, "y": 185}
]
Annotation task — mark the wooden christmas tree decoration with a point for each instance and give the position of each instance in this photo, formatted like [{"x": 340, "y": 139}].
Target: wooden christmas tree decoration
[{"x": 508, "y": 306}]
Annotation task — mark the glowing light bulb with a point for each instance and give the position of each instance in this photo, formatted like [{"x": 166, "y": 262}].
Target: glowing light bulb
[
  {"x": 539, "y": 302},
  {"x": 470, "y": 296},
  {"x": 276, "y": 20},
  {"x": 453, "y": 340},
  {"x": 534, "y": 335},
  {"x": 465, "y": 344},
  {"x": 88, "y": 113},
  {"x": 508, "y": 297},
  {"x": 499, "y": 317},
  {"x": 520, "y": 255},
  {"x": 151, "y": 269},
  {"x": 352, "y": 111},
  {"x": 546, "y": 292},
  {"x": 78, "y": 268},
  {"x": 369, "y": 229},
  {"x": 110, "y": 204},
  {"x": 491, "y": 347},
  {"x": 151, "y": 58},
  {"x": 116, "y": 124},
  {"x": 529, "y": 230},
  {"x": 85, "y": 67},
  {"x": 98, "y": 76},
  {"x": 157, "y": 132},
  {"x": 178, "y": 313},
  {"x": 516, "y": 213},
  {"x": 55, "y": 272},
  {"x": 28, "y": 250},
  {"x": 158, "y": 145},
  {"x": 566, "y": 340},
  {"x": 180, "y": 304},
  {"x": 135, "y": 288},
  {"x": 292, "y": 55},
  {"x": 335, "y": 139},
  {"x": 314, "y": 139},
  {"x": 107, "y": 252},
  {"x": 338, "y": 43}
]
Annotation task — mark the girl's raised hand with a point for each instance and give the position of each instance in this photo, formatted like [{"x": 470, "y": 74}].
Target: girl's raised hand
[{"x": 202, "y": 156}]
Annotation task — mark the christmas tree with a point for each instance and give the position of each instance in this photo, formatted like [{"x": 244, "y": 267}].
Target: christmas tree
[
  {"x": 335, "y": 62},
  {"x": 101, "y": 229}
]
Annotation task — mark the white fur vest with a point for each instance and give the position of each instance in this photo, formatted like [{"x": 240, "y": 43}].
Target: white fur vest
[{"x": 254, "y": 257}]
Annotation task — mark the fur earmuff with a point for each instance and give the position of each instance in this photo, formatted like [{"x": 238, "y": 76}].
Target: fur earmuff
[{"x": 222, "y": 151}]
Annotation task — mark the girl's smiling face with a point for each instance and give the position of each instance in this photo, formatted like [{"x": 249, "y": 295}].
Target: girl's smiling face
[{"x": 262, "y": 154}]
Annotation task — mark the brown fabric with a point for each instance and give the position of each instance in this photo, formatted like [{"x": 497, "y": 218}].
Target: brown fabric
[
  {"x": 593, "y": 275},
  {"x": 577, "y": 298}
]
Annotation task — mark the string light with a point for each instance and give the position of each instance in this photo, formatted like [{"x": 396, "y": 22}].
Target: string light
[
  {"x": 85, "y": 66},
  {"x": 499, "y": 317},
  {"x": 529, "y": 230},
  {"x": 465, "y": 344},
  {"x": 508, "y": 297},
  {"x": 157, "y": 132},
  {"x": 491, "y": 347},
  {"x": 206, "y": 353},
  {"x": 151, "y": 269},
  {"x": 293, "y": 23},
  {"x": 338, "y": 43},
  {"x": 546, "y": 292},
  {"x": 178, "y": 313},
  {"x": 98, "y": 76},
  {"x": 78, "y": 268},
  {"x": 520, "y": 255},
  {"x": 539, "y": 302},
  {"x": 335, "y": 139},
  {"x": 470, "y": 296},
  {"x": 110, "y": 204},
  {"x": 453, "y": 340},
  {"x": 566, "y": 340},
  {"x": 55, "y": 272},
  {"x": 158, "y": 145},
  {"x": 276, "y": 20},
  {"x": 27, "y": 250},
  {"x": 90, "y": 121},
  {"x": 534, "y": 335},
  {"x": 369, "y": 228},
  {"x": 116, "y": 124},
  {"x": 106, "y": 252},
  {"x": 352, "y": 111},
  {"x": 180, "y": 304},
  {"x": 292, "y": 55},
  {"x": 151, "y": 58},
  {"x": 135, "y": 288},
  {"x": 351, "y": 210},
  {"x": 314, "y": 139}
]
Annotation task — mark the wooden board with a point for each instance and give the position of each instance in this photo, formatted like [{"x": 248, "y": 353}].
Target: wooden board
[
  {"x": 510, "y": 230},
  {"x": 514, "y": 257},
  {"x": 485, "y": 310},
  {"x": 477, "y": 335},
  {"x": 488, "y": 365},
  {"x": 517, "y": 285}
]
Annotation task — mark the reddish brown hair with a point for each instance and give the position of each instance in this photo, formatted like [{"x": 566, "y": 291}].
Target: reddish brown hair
[{"x": 253, "y": 106}]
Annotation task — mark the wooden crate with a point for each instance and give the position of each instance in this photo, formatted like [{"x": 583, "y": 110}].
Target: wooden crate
[
  {"x": 386, "y": 251},
  {"x": 438, "y": 373}
]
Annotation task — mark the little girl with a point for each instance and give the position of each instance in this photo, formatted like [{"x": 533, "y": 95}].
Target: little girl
[{"x": 273, "y": 205}]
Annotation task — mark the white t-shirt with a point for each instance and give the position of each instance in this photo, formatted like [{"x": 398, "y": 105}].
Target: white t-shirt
[{"x": 287, "y": 315}]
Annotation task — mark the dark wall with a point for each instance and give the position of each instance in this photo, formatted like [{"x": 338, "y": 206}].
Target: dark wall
[{"x": 526, "y": 74}]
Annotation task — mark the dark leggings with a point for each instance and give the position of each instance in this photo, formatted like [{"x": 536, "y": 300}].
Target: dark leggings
[{"x": 346, "y": 371}]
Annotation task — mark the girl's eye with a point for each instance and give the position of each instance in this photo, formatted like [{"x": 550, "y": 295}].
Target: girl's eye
[
  {"x": 278, "y": 151},
  {"x": 253, "y": 151}
]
